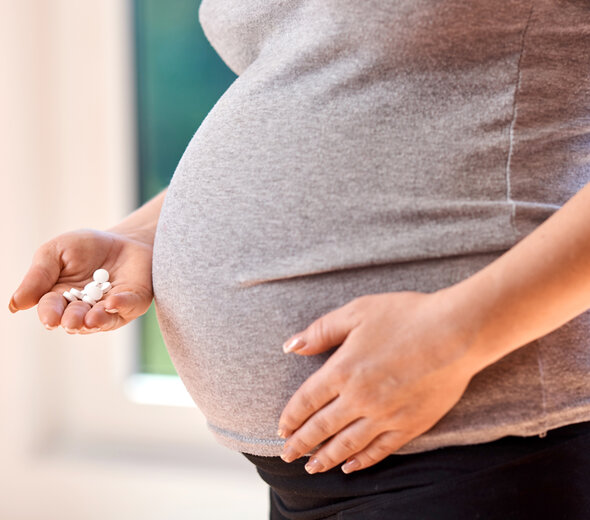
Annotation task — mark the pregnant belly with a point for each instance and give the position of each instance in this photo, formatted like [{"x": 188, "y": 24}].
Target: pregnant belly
[
  {"x": 265, "y": 228},
  {"x": 225, "y": 336}
]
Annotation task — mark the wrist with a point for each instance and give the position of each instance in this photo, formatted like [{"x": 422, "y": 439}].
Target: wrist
[
  {"x": 141, "y": 224},
  {"x": 143, "y": 234},
  {"x": 474, "y": 312}
]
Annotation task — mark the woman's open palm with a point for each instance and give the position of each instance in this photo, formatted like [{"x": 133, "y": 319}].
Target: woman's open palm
[{"x": 70, "y": 260}]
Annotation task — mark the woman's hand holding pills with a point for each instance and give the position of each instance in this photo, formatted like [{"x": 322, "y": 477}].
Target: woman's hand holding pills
[{"x": 88, "y": 281}]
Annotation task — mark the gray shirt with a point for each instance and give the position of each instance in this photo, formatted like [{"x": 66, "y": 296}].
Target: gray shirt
[{"x": 373, "y": 146}]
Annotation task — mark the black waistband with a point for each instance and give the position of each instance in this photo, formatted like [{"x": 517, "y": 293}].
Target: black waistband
[{"x": 300, "y": 495}]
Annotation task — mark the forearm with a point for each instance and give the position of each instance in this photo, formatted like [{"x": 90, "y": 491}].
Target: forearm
[
  {"x": 534, "y": 288},
  {"x": 141, "y": 224}
]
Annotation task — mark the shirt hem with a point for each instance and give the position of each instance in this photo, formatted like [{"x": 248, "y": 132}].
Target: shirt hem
[{"x": 270, "y": 447}]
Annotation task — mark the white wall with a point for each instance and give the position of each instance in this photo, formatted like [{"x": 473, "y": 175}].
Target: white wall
[{"x": 72, "y": 444}]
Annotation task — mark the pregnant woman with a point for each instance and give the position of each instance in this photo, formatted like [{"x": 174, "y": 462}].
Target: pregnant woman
[{"x": 372, "y": 265}]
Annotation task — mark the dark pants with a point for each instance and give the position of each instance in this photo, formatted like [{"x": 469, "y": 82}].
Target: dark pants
[{"x": 516, "y": 478}]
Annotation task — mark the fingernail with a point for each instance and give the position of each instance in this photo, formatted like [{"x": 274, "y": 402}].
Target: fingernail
[
  {"x": 289, "y": 454},
  {"x": 313, "y": 466},
  {"x": 112, "y": 311},
  {"x": 295, "y": 344},
  {"x": 11, "y": 307},
  {"x": 351, "y": 465},
  {"x": 49, "y": 327},
  {"x": 93, "y": 329},
  {"x": 70, "y": 331}
]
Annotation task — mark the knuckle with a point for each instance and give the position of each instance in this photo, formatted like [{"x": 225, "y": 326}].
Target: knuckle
[
  {"x": 370, "y": 457},
  {"x": 300, "y": 445},
  {"x": 323, "y": 426},
  {"x": 326, "y": 459},
  {"x": 355, "y": 308},
  {"x": 350, "y": 444},
  {"x": 46, "y": 251},
  {"x": 377, "y": 452},
  {"x": 306, "y": 401},
  {"x": 340, "y": 371},
  {"x": 321, "y": 330},
  {"x": 288, "y": 420},
  {"x": 382, "y": 450}
]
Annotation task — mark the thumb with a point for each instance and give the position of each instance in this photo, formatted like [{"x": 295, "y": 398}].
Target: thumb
[
  {"x": 326, "y": 332},
  {"x": 40, "y": 279}
]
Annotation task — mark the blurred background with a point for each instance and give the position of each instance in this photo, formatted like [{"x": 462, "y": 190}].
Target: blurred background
[{"x": 98, "y": 101}]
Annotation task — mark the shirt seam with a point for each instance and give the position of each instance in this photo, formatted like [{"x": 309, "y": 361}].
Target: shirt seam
[
  {"x": 244, "y": 438},
  {"x": 513, "y": 123}
]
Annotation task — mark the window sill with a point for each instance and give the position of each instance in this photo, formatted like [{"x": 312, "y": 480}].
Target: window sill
[{"x": 156, "y": 389}]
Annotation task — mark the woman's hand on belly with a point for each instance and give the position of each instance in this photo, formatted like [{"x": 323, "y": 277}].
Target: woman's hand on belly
[
  {"x": 70, "y": 260},
  {"x": 406, "y": 358},
  {"x": 401, "y": 366}
]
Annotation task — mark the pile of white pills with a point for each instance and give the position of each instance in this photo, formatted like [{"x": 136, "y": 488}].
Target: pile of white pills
[{"x": 92, "y": 291}]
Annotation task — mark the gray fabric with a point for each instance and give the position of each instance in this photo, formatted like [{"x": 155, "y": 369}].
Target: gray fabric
[{"x": 369, "y": 147}]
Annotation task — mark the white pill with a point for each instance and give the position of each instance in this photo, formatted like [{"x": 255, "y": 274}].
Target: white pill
[
  {"x": 105, "y": 287},
  {"x": 88, "y": 300},
  {"x": 70, "y": 297},
  {"x": 101, "y": 275},
  {"x": 95, "y": 293},
  {"x": 78, "y": 294},
  {"x": 88, "y": 285}
]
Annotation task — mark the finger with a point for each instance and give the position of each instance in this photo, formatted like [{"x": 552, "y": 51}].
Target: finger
[
  {"x": 73, "y": 317},
  {"x": 50, "y": 309},
  {"x": 39, "y": 279},
  {"x": 319, "y": 427},
  {"x": 85, "y": 331},
  {"x": 98, "y": 319},
  {"x": 311, "y": 396},
  {"x": 324, "y": 333},
  {"x": 380, "y": 448},
  {"x": 351, "y": 440},
  {"x": 129, "y": 304}
]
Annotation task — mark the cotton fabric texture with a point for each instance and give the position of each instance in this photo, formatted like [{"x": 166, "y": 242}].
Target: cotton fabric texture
[{"x": 374, "y": 146}]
